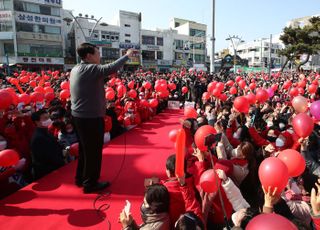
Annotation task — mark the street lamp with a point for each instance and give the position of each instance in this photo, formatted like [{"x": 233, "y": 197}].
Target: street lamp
[
  {"x": 233, "y": 40},
  {"x": 76, "y": 20}
]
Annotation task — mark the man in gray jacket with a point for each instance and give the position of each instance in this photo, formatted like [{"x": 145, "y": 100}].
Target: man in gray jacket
[{"x": 88, "y": 110}]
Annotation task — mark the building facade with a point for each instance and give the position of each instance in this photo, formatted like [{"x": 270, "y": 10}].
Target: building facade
[
  {"x": 257, "y": 52},
  {"x": 31, "y": 34},
  {"x": 183, "y": 44}
]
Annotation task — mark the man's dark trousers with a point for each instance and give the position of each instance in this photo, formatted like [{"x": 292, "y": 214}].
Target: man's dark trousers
[{"x": 90, "y": 132}]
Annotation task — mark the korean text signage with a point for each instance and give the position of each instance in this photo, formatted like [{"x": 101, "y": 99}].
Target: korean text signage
[
  {"x": 5, "y": 16},
  {"x": 40, "y": 60},
  {"x": 46, "y": 2},
  {"x": 38, "y": 19},
  {"x": 129, "y": 46},
  {"x": 38, "y": 36}
]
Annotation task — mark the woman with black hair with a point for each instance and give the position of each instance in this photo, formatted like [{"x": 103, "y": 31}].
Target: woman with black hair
[{"x": 154, "y": 211}]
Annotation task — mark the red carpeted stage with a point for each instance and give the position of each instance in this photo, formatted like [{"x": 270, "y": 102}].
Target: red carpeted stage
[{"x": 54, "y": 202}]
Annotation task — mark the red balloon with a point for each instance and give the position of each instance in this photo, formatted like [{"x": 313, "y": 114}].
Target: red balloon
[
  {"x": 180, "y": 152},
  {"x": 65, "y": 94},
  {"x": 252, "y": 86},
  {"x": 294, "y": 161},
  {"x": 25, "y": 98},
  {"x": 201, "y": 134},
  {"x": 184, "y": 89},
  {"x": 302, "y": 125},
  {"x": 287, "y": 85},
  {"x": 242, "y": 84},
  {"x": 65, "y": 85},
  {"x": 74, "y": 149},
  {"x": 211, "y": 86},
  {"x": 233, "y": 90},
  {"x": 294, "y": 92},
  {"x": 230, "y": 83},
  {"x": 121, "y": 90},
  {"x": 131, "y": 84},
  {"x": 147, "y": 85},
  {"x": 312, "y": 88},
  {"x": 251, "y": 98},
  {"x": 48, "y": 89},
  {"x": 301, "y": 91},
  {"x": 241, "y": 104},
  {"x": 110, "y": 95},
  {"x": 144, "y": 103},
  {"x": 274, "y": 173},
  {"x": 173, "y": 135},
  {"x": 216, "y": 92},
  {"x": 24, "y": 79},
  {"x": 262, "y": 95},
  {"x": 223, "y": 97},
  {"x": 209, "y": 181},
  {"x": 49, "y": 96},
  {"x": 238, "y": 78},
  {"x": 153, "y": 103},
  {"x": 39, "y": 89},
  {"x": 6, "y": 99},
  {"x": 8, "y": 157},
  {"x": 205, "y": 96},
  {"x": 36, "y": 97},
  {"x": 270, "y": 221},
  {"x": 190, "y": 113},
  {"x": 172, "y": 86},
  {"x": 220, "y": 86},
  {"x": 302, "y": 84},
  {"x": 33, "y": 84},
  {"x": 274, "y": 87},
  {"x": 132, "y": 93}
]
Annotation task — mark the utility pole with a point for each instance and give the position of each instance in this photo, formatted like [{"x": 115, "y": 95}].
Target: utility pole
[
  {"x": 270, "y": 59},
  {"x": 213, "y": 37}
]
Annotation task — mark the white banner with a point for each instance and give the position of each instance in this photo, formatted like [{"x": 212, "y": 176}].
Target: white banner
[
  {"x": 40, "y": 60},
  {"x": 173, "y": 105},
  {"x": 5, "y": 16},
  {"x": 38, "y": 19},
  {"x": 189, "y": 104},
  {"x": 57, "y": 3}
]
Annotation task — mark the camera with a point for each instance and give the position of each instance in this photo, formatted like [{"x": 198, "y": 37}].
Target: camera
[{"x": 211, "y": 139}]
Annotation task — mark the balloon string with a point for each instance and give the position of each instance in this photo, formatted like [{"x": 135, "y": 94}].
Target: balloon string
[{"x": 219, "y": 193}]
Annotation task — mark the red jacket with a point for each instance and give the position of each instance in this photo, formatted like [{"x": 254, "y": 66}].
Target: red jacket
[
  {"x": 217, "y": 215},
  {"x": 234, "y": 142},
  {"x": 316, "y": 221},
  {"x": 177, "y": 204}
]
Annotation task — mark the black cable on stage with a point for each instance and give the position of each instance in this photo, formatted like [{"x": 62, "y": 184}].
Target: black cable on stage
[{"x": 105, "y": 195}]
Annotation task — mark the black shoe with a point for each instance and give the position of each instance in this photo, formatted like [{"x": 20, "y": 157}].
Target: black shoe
[
  {"x": 97, "y": 187},
  {"x": 79, "y": 183}
]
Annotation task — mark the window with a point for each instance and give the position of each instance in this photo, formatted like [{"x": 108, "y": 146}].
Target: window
[
  {"x": 52, "y": 30},
  {"x": 148, "y": 55},
  {"x": 159, "y": 55},
  {"x": 8, "y": 48},
  {"x": 199, "y": 58},
  {"x": 127, "y": 25},
  {"x": 5, "y": 26},
  {"x": 148, "y": 40},
  {"x": 127, "y": 41},
  {"x": 159, "y": 41},
  {"x": 127, "y": 35},
  {"x": 179, "y": 44},
  {"x": 116, "y": 38},
  {"x": 5, "y": 5},
  {"x": 110, "y": 53},
  {"x": 35, "y": 50},
  {"x": 34, "y": 28},
  {"x": 178, "y": 56},
  {"x": 55, "y": 11},
  {"x": 198, "y": 33},
  {"x": 176, "y": 24}
]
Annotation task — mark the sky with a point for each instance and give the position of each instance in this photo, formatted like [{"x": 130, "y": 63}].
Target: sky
[{"x": 248, "y": 19}]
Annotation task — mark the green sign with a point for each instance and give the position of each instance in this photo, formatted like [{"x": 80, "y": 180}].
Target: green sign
[{"x": 101, "y": 43}]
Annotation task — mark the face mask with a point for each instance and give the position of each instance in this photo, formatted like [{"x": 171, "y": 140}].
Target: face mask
[
  {"x": 281, "y": 126},
  {"x": 269, "y": 123},
  {"x": 47, "y": 123},
  {"x": 271, "y": 139},
  {"x": 69, "y": 130},
  {"x": 175, "y": 96},
  {"x": 3, "y": 145},
  {"x": 236, "y": 135},
  {"x": 198, "y": 111},
  {"x": 279, "y": 142}
]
